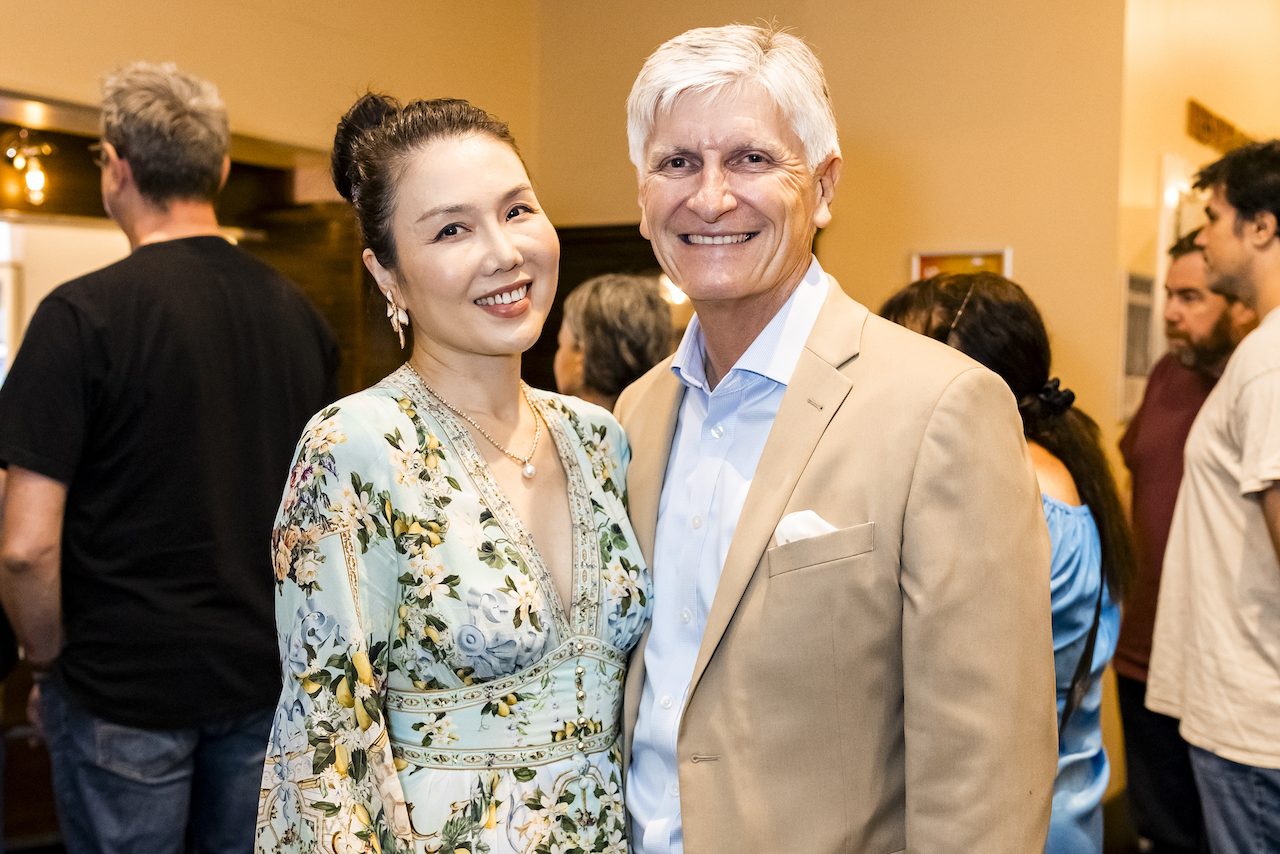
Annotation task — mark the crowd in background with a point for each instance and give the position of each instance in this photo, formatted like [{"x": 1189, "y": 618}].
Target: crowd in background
[{"x": 143, "y": 477}]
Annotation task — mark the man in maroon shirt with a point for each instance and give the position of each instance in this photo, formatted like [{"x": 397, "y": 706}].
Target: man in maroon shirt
[{"x": 1203, "y": 328}]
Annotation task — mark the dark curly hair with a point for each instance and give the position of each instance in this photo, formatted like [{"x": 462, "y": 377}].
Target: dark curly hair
[
  {"x": 993, "y": 321},
  {"x": 1249, "y": 177}
]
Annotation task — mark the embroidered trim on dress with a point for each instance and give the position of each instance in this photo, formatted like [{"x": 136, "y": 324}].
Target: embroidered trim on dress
[
  {"x": 504, "y": 513},
  {"x": 520, "y": 757},
  {"x": 353, "y": 571}
]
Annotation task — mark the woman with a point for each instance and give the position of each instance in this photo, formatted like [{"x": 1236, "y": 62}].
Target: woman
[
  {"x": 458, "y": 582},
  {"x": 615, "y": 328},
  {"x": 992, "y": 320}
]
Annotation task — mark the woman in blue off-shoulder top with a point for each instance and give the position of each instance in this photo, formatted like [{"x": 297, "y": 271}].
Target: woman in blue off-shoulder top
[{"x": 992, "y": 320}]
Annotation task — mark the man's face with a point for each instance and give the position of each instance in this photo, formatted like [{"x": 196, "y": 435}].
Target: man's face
[
  {"x": 728, "y": 200},
  {"x": 1196, "y": 320},
  {"x": 1226, "y": 253}
]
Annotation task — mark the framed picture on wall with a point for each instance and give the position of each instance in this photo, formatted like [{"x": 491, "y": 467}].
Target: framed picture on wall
[{"x": 926, "y": 264}]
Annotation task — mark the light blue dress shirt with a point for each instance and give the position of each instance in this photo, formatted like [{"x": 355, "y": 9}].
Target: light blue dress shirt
[{"x": 719, "y": 437}]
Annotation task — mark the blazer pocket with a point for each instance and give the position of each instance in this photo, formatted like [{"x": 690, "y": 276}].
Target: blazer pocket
[{"x": 812, "y": 551}]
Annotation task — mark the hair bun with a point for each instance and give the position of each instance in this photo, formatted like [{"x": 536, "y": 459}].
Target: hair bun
[{"x": 367, "y": 113}]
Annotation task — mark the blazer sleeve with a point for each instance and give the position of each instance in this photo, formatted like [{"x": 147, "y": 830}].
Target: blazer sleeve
[{"x": 978, "y": 692}]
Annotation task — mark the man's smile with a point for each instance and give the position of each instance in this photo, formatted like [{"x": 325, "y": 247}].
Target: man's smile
[{"x": 717, "y": 239}]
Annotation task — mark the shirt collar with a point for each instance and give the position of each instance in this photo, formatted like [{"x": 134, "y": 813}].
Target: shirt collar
[{"x": 775, "y": 352}]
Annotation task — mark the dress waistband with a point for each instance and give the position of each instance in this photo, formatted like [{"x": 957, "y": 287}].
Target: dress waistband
[{"x": 566, "y": 704}]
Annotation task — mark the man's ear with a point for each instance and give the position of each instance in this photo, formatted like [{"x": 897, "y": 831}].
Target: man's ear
[
  {"x": 1260, "y": 229},
  {"x": 644, "y": 222},
  {"x": 386, "y": 279},
  {"x": 827, "y": 176},
  {"x": 226, "y": 170},
  {"x": 118, "y": 171}
]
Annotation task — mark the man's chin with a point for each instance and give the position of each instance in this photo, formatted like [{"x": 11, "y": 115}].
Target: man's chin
[{"x": 1183, "y": 353}]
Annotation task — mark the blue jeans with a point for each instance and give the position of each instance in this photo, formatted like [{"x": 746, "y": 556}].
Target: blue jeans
[
  {"x": 1241, "y": 804},
  {"x": 123, "y": 789}
]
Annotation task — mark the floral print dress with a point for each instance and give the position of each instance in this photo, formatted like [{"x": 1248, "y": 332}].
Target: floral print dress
[{"x": 438, "y": 696}]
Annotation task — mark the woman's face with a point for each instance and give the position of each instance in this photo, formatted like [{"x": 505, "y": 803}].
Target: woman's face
[
  {"x": 568, "y": 361},
  {"x": 477, "y": 258}
]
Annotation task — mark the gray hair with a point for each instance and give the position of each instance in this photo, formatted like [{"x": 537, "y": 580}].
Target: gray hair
[
  {"x": 710, "y": 59},
  {"x": 170, "y": 126},
  {"x": 623, "y": 327}
]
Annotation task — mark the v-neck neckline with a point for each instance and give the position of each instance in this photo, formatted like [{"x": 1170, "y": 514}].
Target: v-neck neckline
[{"x": 581, "y": 615}]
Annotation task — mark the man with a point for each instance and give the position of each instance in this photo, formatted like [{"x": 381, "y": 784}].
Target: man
[
  {"x": 851, "y": 646},
  {"x": 147, "y": 425},
  {"x": 1202, "y": 328},
  {"x": 1215, "y": 662}
]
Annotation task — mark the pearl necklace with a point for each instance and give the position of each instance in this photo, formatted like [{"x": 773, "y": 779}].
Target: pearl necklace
[{"x": 527, "y": 468}]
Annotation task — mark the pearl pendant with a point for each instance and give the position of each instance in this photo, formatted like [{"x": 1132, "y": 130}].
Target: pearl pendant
[{"x": 529, "y": 471}]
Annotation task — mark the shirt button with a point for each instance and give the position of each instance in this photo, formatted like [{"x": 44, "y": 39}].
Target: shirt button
[
  {"x": 673, "y": 790},
  {"x": 717, "y": 431},
  {"x": 686, "y": 616},
  {"x": 666, "y": 702},
  {"x": 696, "y": 522}
]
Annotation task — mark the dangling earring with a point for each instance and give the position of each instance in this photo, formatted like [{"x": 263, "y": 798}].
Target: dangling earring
[{"x": 399, "y": 318}]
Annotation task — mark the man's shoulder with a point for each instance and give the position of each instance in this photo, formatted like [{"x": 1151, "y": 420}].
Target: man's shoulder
[
  {"x": 1256, "y": 359},
  {"x": 634, "y": 395},
  {"x": 853, "y": 338},
  {"x": 903, "y": 356},
  {"x": 102, "y": 283}
]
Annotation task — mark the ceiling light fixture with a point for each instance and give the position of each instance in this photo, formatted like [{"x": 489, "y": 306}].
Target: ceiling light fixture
[{"x": 26, "y": 152}]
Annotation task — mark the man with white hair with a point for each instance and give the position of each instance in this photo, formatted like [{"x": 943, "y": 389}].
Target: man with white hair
[
  {"x": 851, "y": 644},
  {"x": 147, "y": 425}
]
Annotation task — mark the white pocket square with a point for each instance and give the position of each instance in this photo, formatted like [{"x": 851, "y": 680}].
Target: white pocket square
[{"x": 801, "y": 525}]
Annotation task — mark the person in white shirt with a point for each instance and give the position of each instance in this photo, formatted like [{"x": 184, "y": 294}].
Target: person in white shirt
[
  {"x": 1215, "y": 659},
  {"x": 850, "y": 648}
]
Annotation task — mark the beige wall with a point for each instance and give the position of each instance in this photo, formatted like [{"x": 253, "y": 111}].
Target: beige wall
[
  {"x": 996, "y": 124},
  {"x": 1220, "y": 52},
  {"x": 286, "y": 70},
  {"x": 963, "y": 125}
]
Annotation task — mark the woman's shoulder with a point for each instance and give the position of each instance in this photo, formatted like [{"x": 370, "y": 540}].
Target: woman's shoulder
[
  {"x": 1052, "y": 475},
  {"x": 369, "y": 408},
  {"x": 355, "y": 427},
  {"x": 579, "y": 410}
]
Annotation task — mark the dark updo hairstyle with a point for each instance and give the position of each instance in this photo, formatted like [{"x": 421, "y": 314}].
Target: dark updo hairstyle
[
  {"x": 993, "y": 321},
  {"x": 373, "y": 144}
]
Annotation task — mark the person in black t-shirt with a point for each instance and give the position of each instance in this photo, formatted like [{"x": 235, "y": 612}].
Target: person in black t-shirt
[{"x": 147, "y": 425}]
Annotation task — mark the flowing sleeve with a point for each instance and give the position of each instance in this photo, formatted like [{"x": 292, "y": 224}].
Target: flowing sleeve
[{"x": 330, "y": 783}]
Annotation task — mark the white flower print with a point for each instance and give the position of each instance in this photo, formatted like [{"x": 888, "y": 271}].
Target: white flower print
[
  {"x": 324, "y": 436},
  {"x": 429, "y": 574},
  {"x": 439, "y": 621}
]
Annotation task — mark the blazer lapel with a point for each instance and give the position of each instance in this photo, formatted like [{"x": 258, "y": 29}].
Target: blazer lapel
[
  {"x": 815, "y": 392},
  {"x": 650, "y": 431}
]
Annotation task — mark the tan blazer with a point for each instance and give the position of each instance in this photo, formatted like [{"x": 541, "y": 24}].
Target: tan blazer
[{"x": 888, "y": 686}]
